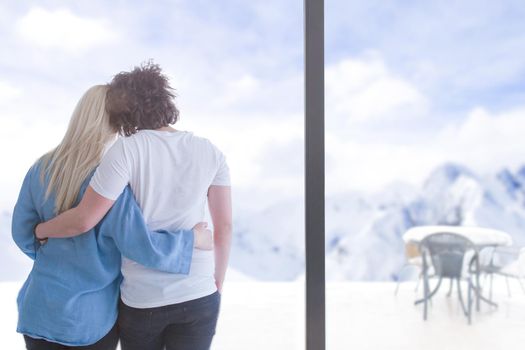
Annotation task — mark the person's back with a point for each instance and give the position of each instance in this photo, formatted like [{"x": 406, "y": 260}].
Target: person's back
[
  {"x": 52, "y": 304},
  {"x": 170, "y": 173}
]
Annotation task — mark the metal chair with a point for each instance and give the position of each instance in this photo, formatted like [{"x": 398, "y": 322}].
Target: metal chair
[
  {"x": 413, "y": 259},
  {"x": 446, "y": 253},
  {"x": 508, "y": 262}
]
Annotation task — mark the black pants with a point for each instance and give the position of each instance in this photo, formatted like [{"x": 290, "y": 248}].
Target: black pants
[
  {"x": 184, "y": 326},
  {"x": 109, "y": 342}
]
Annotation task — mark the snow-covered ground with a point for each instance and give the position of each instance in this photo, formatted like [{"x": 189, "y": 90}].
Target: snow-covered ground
[{"x": 363, "y": 316}]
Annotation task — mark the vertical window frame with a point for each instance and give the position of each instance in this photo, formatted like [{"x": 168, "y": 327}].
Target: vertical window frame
[{"x": 314, "y": 174}]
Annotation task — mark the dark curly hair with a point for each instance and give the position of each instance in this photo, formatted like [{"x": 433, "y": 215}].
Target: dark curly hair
[{"x": 140, "y": 99}]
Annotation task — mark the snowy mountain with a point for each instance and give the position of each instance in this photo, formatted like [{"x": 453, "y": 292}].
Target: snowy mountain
[
  {"x": 363, "y": 231},
  {"x": 451, "y": 195}
]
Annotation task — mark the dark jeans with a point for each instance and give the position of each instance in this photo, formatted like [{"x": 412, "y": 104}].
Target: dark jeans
[
  {"x": 184, "y": 326},
  {"x": 109, "y": 342}
]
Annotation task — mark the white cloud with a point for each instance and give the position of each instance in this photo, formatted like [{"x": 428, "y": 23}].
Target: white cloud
[
  {"x": 240, "y": 89},
  {"x": 361, "y": 90},
  {"x": 8, "y": 92},
  {"x": 368, "y": 167},
  {"x": 62, "y": 29},
  {"x": 482, "y": 141},
  {"x": 486, "y": 140},
  {"x": 365, "y": 155}
]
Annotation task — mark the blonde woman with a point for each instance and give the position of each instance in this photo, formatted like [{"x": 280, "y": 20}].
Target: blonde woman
[{"x": 70, "y": 298}]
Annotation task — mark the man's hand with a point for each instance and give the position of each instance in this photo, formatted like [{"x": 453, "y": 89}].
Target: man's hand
[
  {"x": 77, "y": 220},
  {"x": 38, "y": 232},
  {"x": 219, "y": 286},
  {"x": 203, "y": 238}
]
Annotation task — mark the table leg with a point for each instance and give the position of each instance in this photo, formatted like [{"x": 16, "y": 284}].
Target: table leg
[{"x": 478, "y": 285}]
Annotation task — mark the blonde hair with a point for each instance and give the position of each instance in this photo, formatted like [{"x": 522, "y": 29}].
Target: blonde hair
[{"x": 70, "y": 163}]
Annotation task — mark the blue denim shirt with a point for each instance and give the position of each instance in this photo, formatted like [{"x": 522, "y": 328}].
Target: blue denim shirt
[{"x": 71, "y": 294}]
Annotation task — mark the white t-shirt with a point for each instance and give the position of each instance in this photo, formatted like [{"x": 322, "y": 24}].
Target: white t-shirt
[{"x": 169, "y": 173}]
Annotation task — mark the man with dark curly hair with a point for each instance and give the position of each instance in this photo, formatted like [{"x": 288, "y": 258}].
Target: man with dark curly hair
[
  {"x": 172, "y": 174},
  {"x": 141, "y": 100}
]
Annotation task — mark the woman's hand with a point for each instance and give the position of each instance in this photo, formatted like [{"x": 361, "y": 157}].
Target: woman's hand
[{"x": 203, "y": 238}]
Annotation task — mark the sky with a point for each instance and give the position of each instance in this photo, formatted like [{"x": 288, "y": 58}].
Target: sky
[{"x": 409, "y": 84}]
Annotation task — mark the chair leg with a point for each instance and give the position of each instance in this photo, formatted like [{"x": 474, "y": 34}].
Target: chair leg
[
  {"x": 397, "y": 287},
  {"x": 418, "y": 282},
  {"x": 469, "y": 308},
  {"x": 450, "y": 288},
  {"x": 477, "y": 285},
  {"x": 491, "y": 283},
  {"x": 426, "y": 292},
  {"x": 508, "y": 286},
  {"x": 399, "y": 278},
  {"x": 521, "y": 284},
  {"x": 460, "y": 297},
  {"x": 425, "y": 305}
]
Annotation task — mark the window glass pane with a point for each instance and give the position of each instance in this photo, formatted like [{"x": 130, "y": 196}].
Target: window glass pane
[
  {"x": 424, "y": 106},
  {"x": 237, "y": 69}
]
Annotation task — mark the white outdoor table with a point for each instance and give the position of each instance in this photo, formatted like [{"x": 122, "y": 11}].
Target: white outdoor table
[{"x": 480, "y": 236}]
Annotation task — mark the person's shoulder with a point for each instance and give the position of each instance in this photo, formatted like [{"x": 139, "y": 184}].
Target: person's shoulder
[
  {"x": 37, "y": 166},
  {"x": 142, "y": 136},
  {"x": 122, "y": 143},
  {"x": 35, "y": 171},
  {"x": 197, "y": 139},
  {"x": 34, "y": 179},
  {"x": 126, "y": 140},
  {"x": 135, "y": 138},
  {"x": 203, "y": 141}
]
